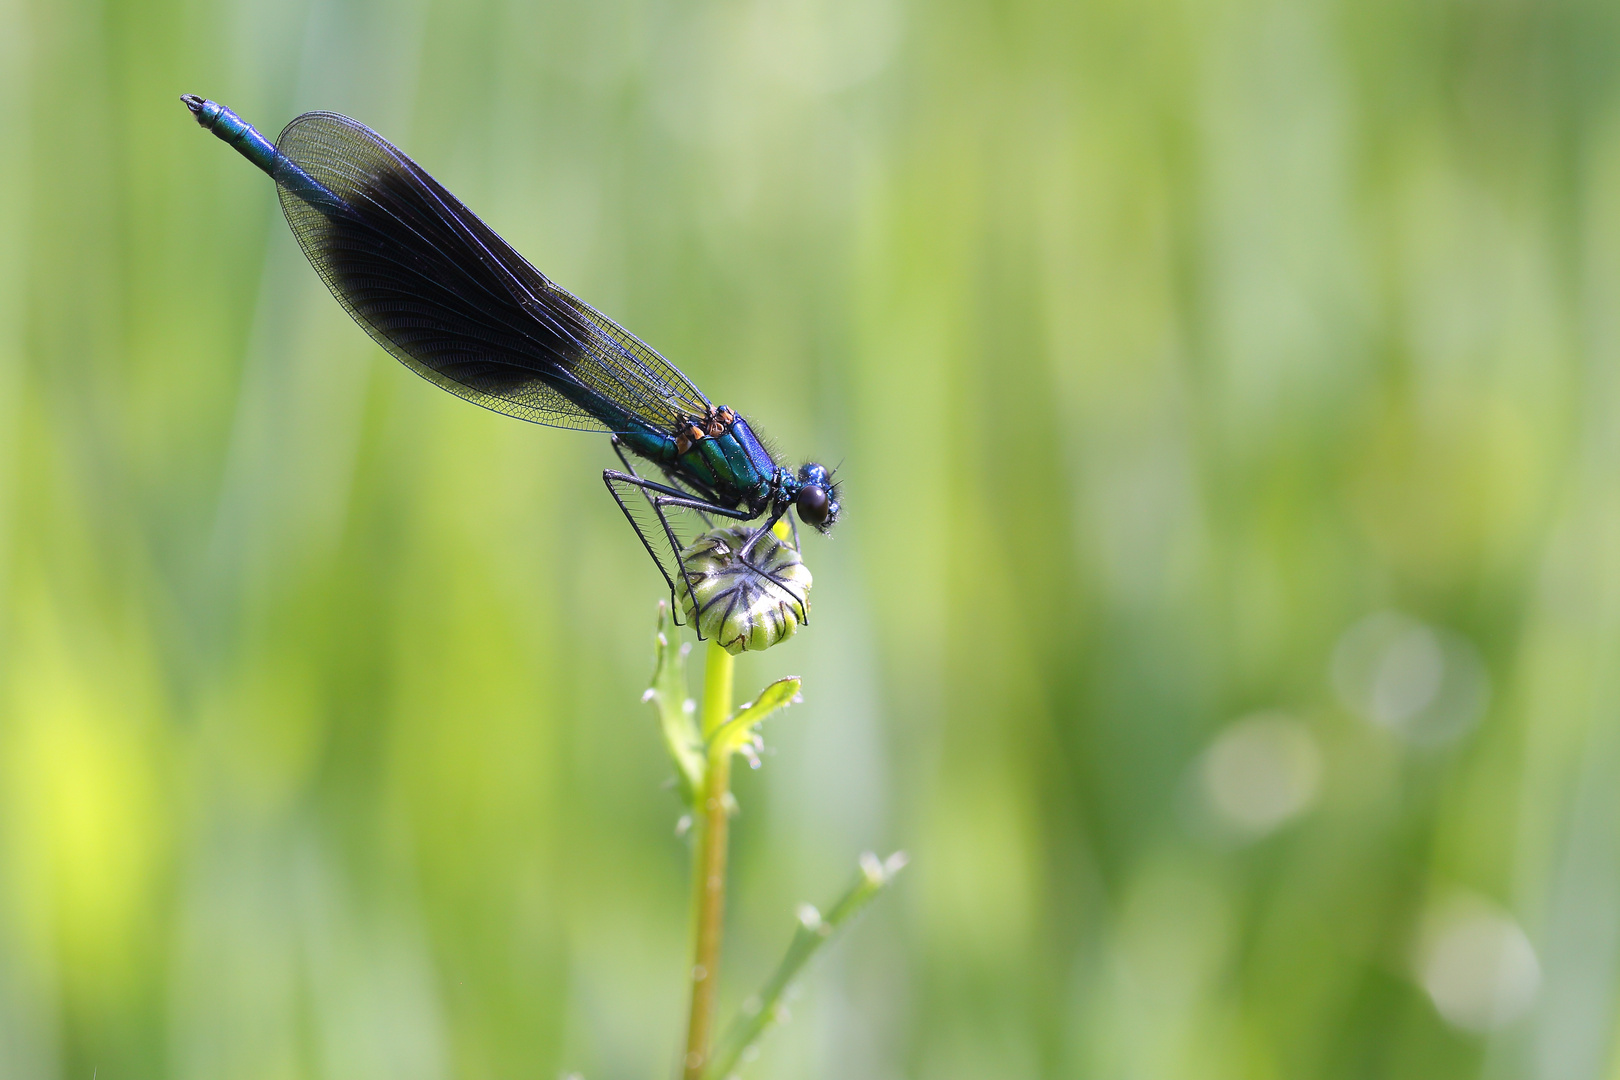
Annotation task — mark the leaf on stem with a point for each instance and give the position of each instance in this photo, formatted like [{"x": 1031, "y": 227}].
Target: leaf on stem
[
  {"x": 731, "y": 735},
  {"x": 677, "y": 717}
]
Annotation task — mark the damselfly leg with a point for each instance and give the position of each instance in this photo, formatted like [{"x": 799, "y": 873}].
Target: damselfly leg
[
  {"x": 693, "y": 491},
  {"x": 744, "y": 557},
  {"x": 664, "y": 498}
]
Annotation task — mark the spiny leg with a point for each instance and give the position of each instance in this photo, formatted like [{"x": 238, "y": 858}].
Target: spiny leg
[
  {"x": 708, "y": 523},
  {"x": 670, "y": 495},
  {"x": 630, "y": 468},
  {"x": 666, "y": 497},
  {"x": 684, "y": 502},
  {"x": 609, "y": 477},
  {"x": 671, "y": 481},
  {"x": 748, "y": 548},
  {"x": 646, "y": 488}
]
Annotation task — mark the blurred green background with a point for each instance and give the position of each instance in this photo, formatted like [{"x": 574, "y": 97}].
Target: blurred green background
[{"x": 1225, "y": 617}]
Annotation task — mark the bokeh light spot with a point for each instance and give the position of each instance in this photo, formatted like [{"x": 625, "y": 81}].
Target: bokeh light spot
[
  {"x": 1260, "y": 772},
  {"x": 1426, "y": 684},
  {"x": 1477, "y": 965}
]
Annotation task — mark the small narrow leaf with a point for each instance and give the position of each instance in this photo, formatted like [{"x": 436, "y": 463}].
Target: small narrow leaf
[
  {"x": 731, "y": 735},
  {"x": 765, "y": 1009},
  {"x": 668, "y": 693}
]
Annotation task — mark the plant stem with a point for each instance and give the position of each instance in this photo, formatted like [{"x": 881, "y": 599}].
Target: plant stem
[{"x": 709, "y": 886}]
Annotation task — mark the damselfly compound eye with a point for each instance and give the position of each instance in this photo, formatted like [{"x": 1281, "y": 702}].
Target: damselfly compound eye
[{"x": 813, "y": 505}]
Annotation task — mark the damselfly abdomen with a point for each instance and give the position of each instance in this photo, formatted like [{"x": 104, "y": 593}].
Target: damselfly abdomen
[{"x": 440, "y": 290}]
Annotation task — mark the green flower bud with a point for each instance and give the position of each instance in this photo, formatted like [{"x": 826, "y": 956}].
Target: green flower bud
[{"x": 737, "y": 606}]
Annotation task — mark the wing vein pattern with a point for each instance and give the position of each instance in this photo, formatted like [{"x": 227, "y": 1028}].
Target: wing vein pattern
[{"x": 435, "y": 286}]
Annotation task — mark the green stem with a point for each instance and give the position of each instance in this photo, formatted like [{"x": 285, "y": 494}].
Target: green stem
[{"x": 709, "y": 885}]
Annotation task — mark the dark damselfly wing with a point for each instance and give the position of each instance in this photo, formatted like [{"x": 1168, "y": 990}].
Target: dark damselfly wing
[{"x": 440, "y": 290}]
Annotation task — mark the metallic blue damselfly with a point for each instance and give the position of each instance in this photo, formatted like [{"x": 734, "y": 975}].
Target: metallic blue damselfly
[{"x": 435, "y": 286}]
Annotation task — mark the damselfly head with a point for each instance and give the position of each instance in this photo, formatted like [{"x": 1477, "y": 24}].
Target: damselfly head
[{"x": 817, "y": 501}]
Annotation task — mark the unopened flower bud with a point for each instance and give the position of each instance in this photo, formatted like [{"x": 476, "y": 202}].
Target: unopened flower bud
[{"x": 744, "y": 606}]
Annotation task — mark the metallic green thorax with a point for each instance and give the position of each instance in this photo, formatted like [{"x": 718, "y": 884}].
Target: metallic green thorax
[{"x": 734, "y": 465}]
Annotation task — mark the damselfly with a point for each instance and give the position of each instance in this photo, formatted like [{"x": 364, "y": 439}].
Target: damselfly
[{"x": 440, "y": 290}]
